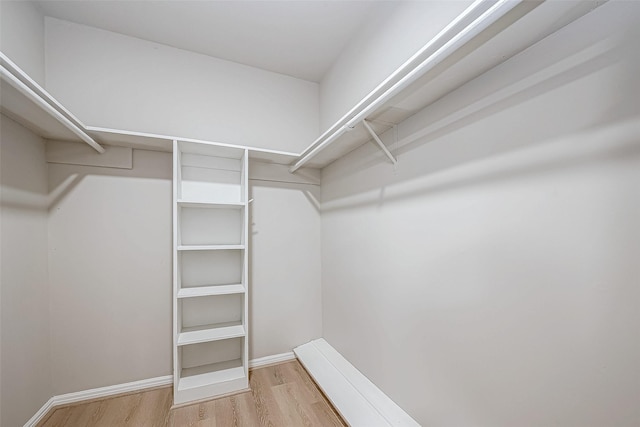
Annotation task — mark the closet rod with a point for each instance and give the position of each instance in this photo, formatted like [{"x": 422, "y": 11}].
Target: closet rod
[
  {"x": 29, "y": 93},
  {"x": 411, "y": 73}
]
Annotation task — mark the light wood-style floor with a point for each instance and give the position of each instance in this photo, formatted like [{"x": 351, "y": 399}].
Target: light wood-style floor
[{"x": 281, "y": 395}]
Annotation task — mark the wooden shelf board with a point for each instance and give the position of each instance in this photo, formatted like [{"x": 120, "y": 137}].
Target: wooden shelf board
[
  {"x": 210, "y": 205},
  {"x": 208, "y": 333},
  {"x": 203, "y": 291},
  {"x": 210, "y": 247},
  {"x": 201, "y": 376}
]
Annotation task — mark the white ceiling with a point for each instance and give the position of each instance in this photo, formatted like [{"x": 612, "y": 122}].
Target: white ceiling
[{"x": 298, "y": 38}]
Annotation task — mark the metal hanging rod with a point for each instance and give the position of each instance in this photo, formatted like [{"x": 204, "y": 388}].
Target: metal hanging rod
[{"x": 481, "y": 14}]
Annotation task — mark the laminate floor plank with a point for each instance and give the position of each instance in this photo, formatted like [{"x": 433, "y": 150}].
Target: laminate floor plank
[
  {"x": 307, "y": 388},
  {"x": 185, "y": 416},
  {"x": 87, "y": 415},
  {"x": 246, "y": 410},
  {"x": 152, "y": 409},
  {"x": 326, "y": 415},
  {"x": 58, "y": 418},
  {"x": 307, "y": 381},
  {"x": 267, "y": 408},
  {"x": 290, "y": 402},
  {"x": 281, "y": 395}
]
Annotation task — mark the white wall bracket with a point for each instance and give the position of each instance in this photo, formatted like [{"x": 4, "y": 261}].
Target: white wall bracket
[{"x": 378, "y": 141}]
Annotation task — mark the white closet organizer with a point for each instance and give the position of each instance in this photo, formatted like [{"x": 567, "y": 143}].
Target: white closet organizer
[{"x": 210, "y": 308}]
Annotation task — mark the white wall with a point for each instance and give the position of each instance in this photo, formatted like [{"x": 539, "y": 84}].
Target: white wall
[
  {"x": 493, "y": 278},
  {"x": 24, "y": 295},
  {"x": 285, "y": 302},
  {"x": 110, "y": 272},
  {"x": 390, "y": 37},
  {"x": 22, "y": 36},
  {"x": 111, "y": 80}
]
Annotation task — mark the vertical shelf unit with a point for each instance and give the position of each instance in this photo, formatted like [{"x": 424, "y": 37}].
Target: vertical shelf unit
[{"x": 210, "y": 270}]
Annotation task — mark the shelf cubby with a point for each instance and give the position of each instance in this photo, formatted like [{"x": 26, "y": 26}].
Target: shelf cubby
[
  {"x": 210, "y": 368},
  {"x": 210, "y": 268},
  {"x": 211, "y": 225},
  {"x": 212, "y": 174},
  {"x": 210, "y": 310}
]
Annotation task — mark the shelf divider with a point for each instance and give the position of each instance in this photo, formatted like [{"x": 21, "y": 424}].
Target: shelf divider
[
  {"x": 211, "y": 205},
  {"x": 208, "y": 333},
  {"x": 211, "y": 374},
  {"x": 210, "y": 247},
  {"x": 204, "y": 291}
]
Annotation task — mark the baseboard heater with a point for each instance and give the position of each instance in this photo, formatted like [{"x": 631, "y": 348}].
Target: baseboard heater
[{"x": 358, "y": 400}]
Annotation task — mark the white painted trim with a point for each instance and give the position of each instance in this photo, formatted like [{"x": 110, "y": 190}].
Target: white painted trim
[
  {"x": 355, "y": 397},
  {"x": 38, "y": 416},
  {"x": 271, "y": 360},
  {"x": 113, "y": 390},
  {"x": 96, "y": 393}
]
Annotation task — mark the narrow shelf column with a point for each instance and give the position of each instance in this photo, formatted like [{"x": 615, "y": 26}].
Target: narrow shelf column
[{"x": 210, "y": 271}]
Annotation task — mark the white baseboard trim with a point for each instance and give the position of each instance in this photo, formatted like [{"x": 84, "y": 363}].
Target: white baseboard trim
[
  {"x": 354, "y": 396},
  {"x": 38, "y": 416},
  {"x": 271, "y": 360},
  {"x": 135, "y": 386},
  {"x": 96, "y": 393},
  {"x": 112, "y": 390}
]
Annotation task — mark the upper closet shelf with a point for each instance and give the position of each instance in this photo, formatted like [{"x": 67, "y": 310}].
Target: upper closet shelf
[
  {"x": 26, "y": 102},
  {"x": 486, "y": 34},
  {"x": 150, "y": 141}
]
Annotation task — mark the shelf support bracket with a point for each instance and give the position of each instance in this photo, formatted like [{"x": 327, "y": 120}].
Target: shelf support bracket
[{"x": 378, "y": 141}]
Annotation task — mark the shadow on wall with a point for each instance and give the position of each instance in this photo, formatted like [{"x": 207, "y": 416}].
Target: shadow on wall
[
  {"x": 310, "y": 191},
  {"x": 275, "y": 176},
  {"x": 575, "y": 104},
  {"x": 20, "y": 190},
  {"x": 148, "y": 165},
  {"x": 284, "y": 259},
  {"x": 618, "y": 143}
]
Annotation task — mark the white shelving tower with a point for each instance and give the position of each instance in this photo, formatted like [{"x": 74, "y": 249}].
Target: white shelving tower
[{"x": 210, "y": 270}]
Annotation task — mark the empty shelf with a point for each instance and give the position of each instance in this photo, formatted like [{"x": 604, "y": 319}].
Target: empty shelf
[
  {"x": 207, "y": 333},
  {"x": 205, "y": 375},
  {"x": 203, "y": 291},
  {"x": 211, "y": 205},
  {"x": 209, "y": 247}
]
